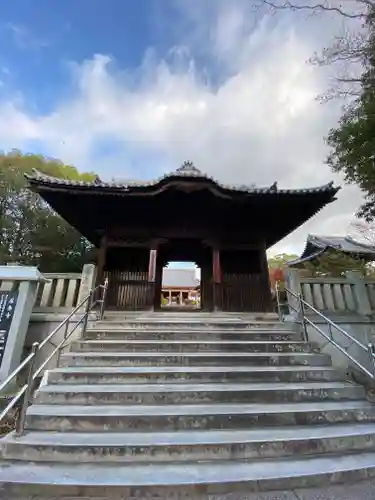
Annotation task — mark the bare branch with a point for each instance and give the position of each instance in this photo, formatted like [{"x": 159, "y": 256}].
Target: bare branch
[
  {"x": 348, "y": 80},
  {"x": 346, "y": 56},
  {"x": 349, "y": 46},
  {"x": 336, "y": 93},
  {"x": 322, "y": 7},
  {"x": 362, "y": 232}
]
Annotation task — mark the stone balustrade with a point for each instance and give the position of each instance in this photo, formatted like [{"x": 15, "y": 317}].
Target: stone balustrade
[
  {"x": 352, "y": 293},
  {"x": 61, "y": 291},
  {"x": 54, "y": 300}
]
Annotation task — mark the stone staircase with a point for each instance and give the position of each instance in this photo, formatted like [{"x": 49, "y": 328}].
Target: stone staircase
[{"x": 186, "y": 406}]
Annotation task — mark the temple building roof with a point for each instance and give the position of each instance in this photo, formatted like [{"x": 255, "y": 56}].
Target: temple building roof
[
  {"x": 317, "y": 245},
  {"x": 185, "y": 172},
  {"x": 183, "y": 278},
  {"x": 187, "y": 200}
]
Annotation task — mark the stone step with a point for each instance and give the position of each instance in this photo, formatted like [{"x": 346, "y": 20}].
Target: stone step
[
  {"x": 187, "y": 315},
  {"x": 100, "y": 418},
  {"x": 196, "y": 334},
  {"x": 150, "y": 394},
  {"x": 96, "y": 359},
  {"x": 184, "y": 480},
  {"x": 192, "y": 346},
  {"x": 188, "y": 446},
  {"x": 203, "y": 374},
  {"x": 173, "y": 324}
]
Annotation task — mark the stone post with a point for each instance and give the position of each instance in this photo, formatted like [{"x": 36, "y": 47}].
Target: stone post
[
  {"x": 88, "y": 280},
  {"x": 102, "y": 253},
  {"x": 360, "y": 293},
  {"x": 292, "y": 283},
  {"x": 18, "y": 309}
]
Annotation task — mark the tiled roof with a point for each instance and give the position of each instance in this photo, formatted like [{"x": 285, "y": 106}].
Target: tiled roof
[
  {"x": 316, "y": 245},
  {"x": 179, "y": 278},
  {"x": 343, "y": 243},
  {"x": 186, "y": 171}
]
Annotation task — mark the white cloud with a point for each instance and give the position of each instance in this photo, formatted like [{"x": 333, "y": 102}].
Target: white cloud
[
  {"x": 256, "y": 121},
  {"x": 16, "y": 127}
]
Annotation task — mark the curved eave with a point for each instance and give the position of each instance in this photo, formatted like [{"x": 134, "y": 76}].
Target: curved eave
[
  {"x": 283, "y": 209},
  {"x": 312, "y": 249},
  {"x": 312, "y": 252},
  {"x": 307, "y": 258},
  {"x": 39, "y": 182}
]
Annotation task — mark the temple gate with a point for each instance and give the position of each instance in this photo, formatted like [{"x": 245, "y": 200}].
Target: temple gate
[{"x": 186, "y": 215}]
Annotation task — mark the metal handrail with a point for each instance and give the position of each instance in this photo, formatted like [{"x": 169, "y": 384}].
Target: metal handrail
[
  {"x": 26, "y": 390},
  {"x": 302, "y": 305}
]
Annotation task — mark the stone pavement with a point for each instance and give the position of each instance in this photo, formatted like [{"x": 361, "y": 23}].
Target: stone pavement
[{"x": 364, "y": 490}]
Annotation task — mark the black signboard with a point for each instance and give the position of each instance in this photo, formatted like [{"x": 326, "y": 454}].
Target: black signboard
[{"x": 8, "y": 302}]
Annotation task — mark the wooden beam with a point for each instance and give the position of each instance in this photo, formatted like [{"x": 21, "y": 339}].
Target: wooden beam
[
  {"x": 127, "y": 244},
  {"x": 229, "y": 237}
]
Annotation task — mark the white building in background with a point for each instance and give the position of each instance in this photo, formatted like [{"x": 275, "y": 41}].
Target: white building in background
[{"x": 180, "y": 287}]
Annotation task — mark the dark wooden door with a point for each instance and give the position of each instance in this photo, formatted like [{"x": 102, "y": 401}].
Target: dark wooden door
[
  {"x": 245, "y": 285},
  {"x": 129, "y": 290}
]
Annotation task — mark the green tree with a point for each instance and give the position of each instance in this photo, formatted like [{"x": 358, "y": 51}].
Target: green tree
[
  {"x": 30, "y": 231},
  {"x": 353, "y": 141},
  {"x": 279, "y": 260},
  {"x": 331, "y": 263},
  {"x": 334, "y": 264}
]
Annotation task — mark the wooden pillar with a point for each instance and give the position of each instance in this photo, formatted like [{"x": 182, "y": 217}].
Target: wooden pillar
[
  {"x": 151, "y": 294},
  {"x": 206, "y": 285},
  {"x": 101, "y": 261},
  {"x": 102, "y": 253},
  {"x": 265, "y": 283},
  {"x": 152, "y": 266},
  {"x": 216, "y": 278},
  {"x": 158, "y": 284}
]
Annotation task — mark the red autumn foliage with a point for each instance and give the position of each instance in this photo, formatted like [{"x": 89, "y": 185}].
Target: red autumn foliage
[{"x": 276, "y": 274}]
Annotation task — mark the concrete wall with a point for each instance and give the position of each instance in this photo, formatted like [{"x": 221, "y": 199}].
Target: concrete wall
[
  {"x": 41, "y": 325},
  {"x": 361, "y": 328},
  {"x": 349, "y": 303}
]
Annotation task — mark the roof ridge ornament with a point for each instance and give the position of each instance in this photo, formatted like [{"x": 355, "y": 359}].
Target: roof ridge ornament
[
  {"x": 97, "y": 180},
  {"x": 188, "y": 168}
]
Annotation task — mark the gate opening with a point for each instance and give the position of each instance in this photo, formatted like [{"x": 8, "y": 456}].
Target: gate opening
[{"x": 181, "y": 286}]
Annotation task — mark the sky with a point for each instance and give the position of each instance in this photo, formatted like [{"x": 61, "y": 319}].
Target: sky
[{"x": 132, "y": 89}]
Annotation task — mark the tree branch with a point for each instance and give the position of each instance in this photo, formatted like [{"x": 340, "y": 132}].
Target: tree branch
[{"x": 322, "y": 7}]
